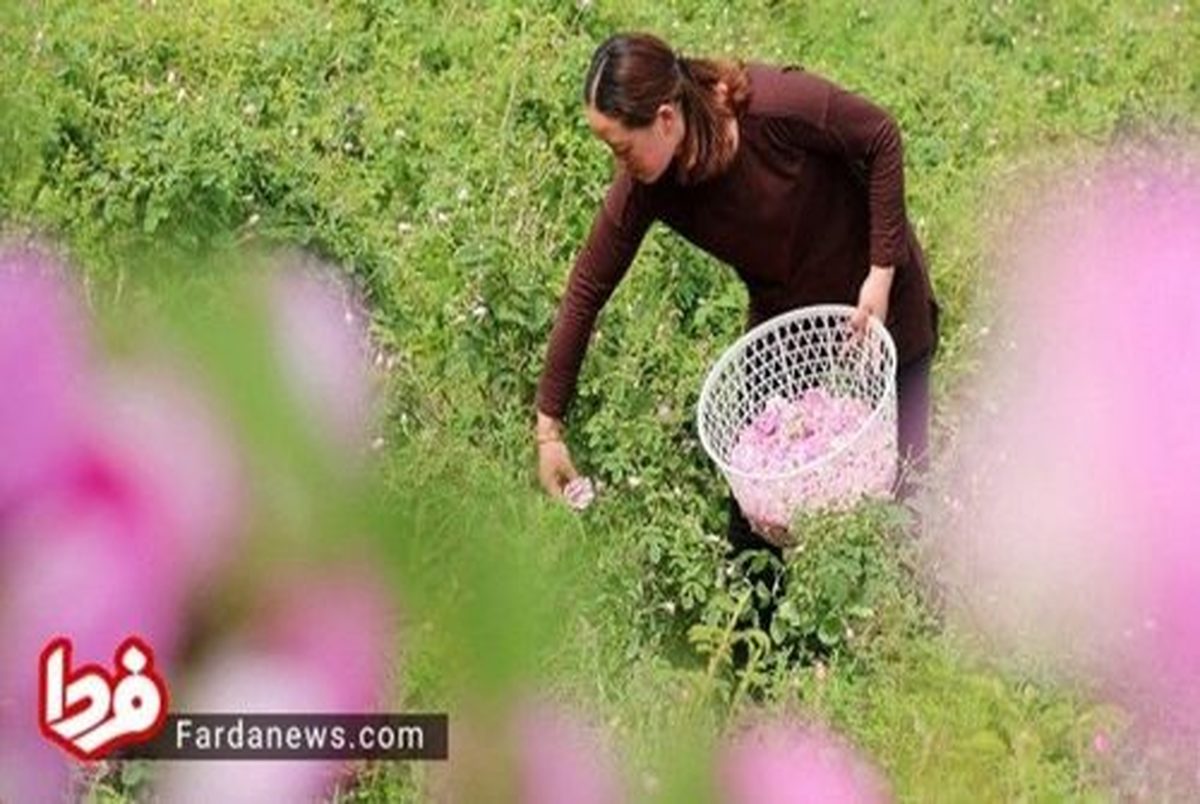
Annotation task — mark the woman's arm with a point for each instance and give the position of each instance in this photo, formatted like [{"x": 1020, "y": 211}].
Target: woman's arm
[{"x": 616, "y": 234}]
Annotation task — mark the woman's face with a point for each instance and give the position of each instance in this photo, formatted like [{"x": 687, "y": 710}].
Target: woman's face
[{"x": 646, "y": 151}]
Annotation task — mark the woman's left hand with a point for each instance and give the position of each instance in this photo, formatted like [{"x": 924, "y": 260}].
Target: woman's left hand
[{"x": 873, "y": 298}]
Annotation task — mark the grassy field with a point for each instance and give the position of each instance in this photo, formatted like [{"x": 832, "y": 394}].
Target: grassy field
[{"x": 437, "y": 151}]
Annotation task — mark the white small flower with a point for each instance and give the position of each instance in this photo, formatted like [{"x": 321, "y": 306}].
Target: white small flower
[
  {"x": 634, "y": 481},
  {"x": 404, "y": 227},
  {"x": 463, "y": 194},
  {"x": 249, "y": 110},
  {"x": 378, "y": 443},
  {"x": 479, "y": 311},
  {"x": 253, "y": 220}
]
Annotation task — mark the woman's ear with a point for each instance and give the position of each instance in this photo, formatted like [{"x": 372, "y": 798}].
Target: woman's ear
[{"x": 668, "y": 115}]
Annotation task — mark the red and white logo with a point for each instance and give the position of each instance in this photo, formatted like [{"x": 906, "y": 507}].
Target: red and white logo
[{"x": 90, "y": 712}]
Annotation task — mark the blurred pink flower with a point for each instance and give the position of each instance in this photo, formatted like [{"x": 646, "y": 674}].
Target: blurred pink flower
[
  {"x": 1077, "y": 540},
  {"x": 780, "y": 762},
  {"x": 559, "y": 758},
  {"x": 85, "y": 561},
  {"x": 321, "y": 338},
  {"x": 114, "y": 498},
  {"x": 42, "y": 364},
  {"x": 181, "y": 454},
  {"x": 321, "y": 646},
  {"x": 248, "y": 680},
  {"x": 31, "y": 770},
  {"x": 339, "y": 625},
  {"x": 525, "y": 751}
]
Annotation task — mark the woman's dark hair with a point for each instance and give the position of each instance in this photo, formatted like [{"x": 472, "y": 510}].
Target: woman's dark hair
[{"x": 631, "y": 75}]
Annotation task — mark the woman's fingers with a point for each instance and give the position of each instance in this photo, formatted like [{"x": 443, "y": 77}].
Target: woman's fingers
[
  {"x": 858, "y": 325},
  {"x": 569, "y": 472},
  {"x": 548, "y": 472},
  {"x": 858, "y": 321},
  {"x": 555, "y": 469}
]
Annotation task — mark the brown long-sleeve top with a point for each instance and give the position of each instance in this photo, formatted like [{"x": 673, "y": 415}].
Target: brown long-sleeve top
[{"x": 813, "y": 198}]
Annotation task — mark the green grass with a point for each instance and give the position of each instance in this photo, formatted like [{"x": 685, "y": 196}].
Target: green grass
[{"x": 437, "y": 150}]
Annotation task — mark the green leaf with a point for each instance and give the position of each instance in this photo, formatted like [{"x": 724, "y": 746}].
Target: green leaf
[{"x": 830, "y": 631}]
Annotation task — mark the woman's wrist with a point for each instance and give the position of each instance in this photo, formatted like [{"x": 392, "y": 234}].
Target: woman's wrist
[{"x": 547, "y": 429}]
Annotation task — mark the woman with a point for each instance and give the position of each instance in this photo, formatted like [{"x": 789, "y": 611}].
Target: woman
[{"x": 791, "y": 180}]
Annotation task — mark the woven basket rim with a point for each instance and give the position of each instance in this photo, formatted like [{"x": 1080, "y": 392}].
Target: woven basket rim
[{"x": 799, "y": 313}]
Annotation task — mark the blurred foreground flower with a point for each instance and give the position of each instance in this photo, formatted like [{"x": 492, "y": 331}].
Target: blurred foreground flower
[
  {"x": 86, "y": 544},
  {"x": 782, "y": 762},
  {"x": 321, "y": 645},
  {"x": 42, "y": 355},
  {"x": 1075, "y": 539},
  {"x": 124, "y": 504},
  {"x": 320, "y": 339},
  {"x": 531, "y": 753},
  {"x": 561, "y": 759}
]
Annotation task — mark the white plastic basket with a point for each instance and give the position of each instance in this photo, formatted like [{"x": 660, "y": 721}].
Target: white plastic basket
[{"x": 804, "y": 349}]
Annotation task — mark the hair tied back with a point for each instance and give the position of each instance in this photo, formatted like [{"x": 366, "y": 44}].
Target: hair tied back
[{"x": 681, "y": 64}]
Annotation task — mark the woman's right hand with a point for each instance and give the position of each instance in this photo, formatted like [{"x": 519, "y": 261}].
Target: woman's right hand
[{"x": 555, "y": 469}]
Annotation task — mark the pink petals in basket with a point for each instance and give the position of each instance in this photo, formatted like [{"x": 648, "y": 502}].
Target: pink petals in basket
[
  {"x": 788, "y": 434},
  {"x": 777, "y": 454}
]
